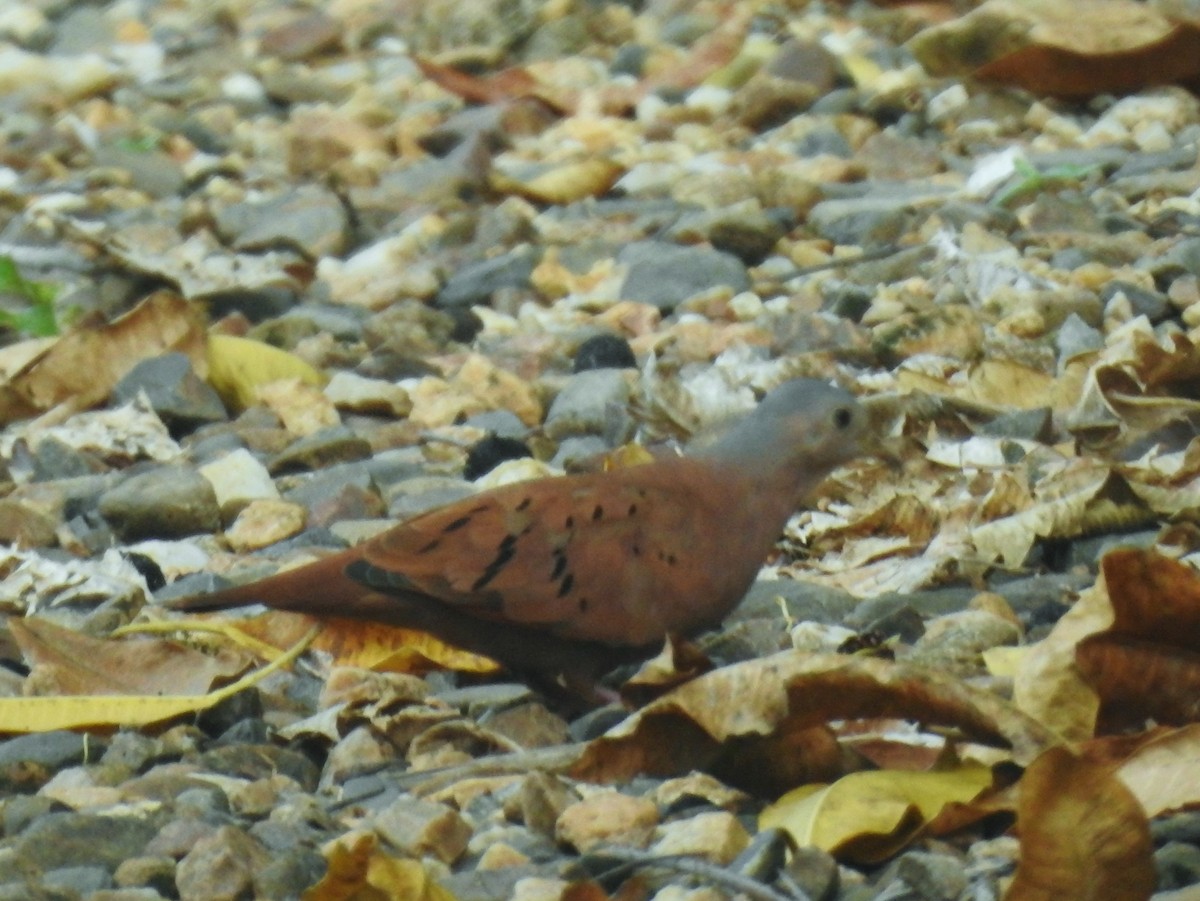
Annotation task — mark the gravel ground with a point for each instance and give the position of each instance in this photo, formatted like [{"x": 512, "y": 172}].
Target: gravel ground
[{"x": 657, "y": 212}]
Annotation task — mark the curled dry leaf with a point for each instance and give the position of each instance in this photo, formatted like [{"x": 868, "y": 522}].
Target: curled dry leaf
[
  {"x": 1084, "y": 837},
  {"x": 1145, "y": 665},
  {"x": 1039, "y": 45},
  {"x": 80, "y": 368},
  {"x": 1124, "y": 653},
  {"x": 360, "y": 869},
  {"x": 65, "y": 662},
  {"x": 238, "y": 367},
  {"x": 869, "y": 816},
  {"x": 700, "y": 724}
]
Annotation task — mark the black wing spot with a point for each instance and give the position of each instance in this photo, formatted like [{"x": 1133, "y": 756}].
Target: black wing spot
[
  {"x": 637, "y": 550},
  {"x": 671, "y": 560},
  {"x": 560, "y": 565},
  {"x": 524, "y": 504},
  {"x": 632, "y": 509},
  {"x": 583, "y": 605},
  {"x": 598, "y": 513},
  {"x": 457, "y": 524},
  {"x": 425, "y": 549},
  {"x": 567, "y": 583},
  {"x": 507, "y": 550}
]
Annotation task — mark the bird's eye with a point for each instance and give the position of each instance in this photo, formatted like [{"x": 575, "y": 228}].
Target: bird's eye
[{"x": 842, "y": 417}]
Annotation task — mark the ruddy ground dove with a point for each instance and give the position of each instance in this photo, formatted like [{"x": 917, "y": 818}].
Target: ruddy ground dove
[{"x": 577, "y": 573}]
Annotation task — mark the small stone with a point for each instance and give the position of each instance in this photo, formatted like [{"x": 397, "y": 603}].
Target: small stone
[
  {"x": 73, "y": 839},
  {"x": 304, "y": 36},
  {"x": 335, "y": 444},
  {"x": 718, "y": 836},
  {"x": 163, "y": 502},
  {"x": 956, "y": 640},
  {"x": 156, "y": 873},
  {"x": 486, "y": 454},
  {"x": 82, "y": 880},
  {"x": 221, "y": 867},
  {"x": 815, "y": 871},
  {"x": 264, "y": 522},
  {"x": 423, "y": 827},
  {"x": 664, "y": 274},
  {"x": 588, "y": 403},
  {"x": 476, "y": 283},
  {"x": 539, "y": 802},
  {"x": 607, "y": 817},
  {"x": 362, "y": 750},
  {"x": 308, "y": 218},
  {"x": 238, "y": 478},
  {"x": 22, "y": 526},
  {"x": 604, "y": 352},
  {"x": 181, "y": 398},
  {"x": 1177, "y": 865},
  {"x": 539, "y": 888},
  {"x": 373, "y": 397},
  {"x": 499, "y": 856},
  {"x": 934, "y": 877}
]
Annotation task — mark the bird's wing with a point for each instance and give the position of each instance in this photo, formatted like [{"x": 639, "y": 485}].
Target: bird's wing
[{"x": 601, "y": 556}]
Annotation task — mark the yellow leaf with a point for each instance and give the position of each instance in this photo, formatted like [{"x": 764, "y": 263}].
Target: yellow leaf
[
  {"x": 868, "y": 816},
  {"x": 360, "y": 871},
  {"x": 1004, "y": 661},
  {"x": 47, "y": 714},
  {"x": 237, "y": 367}
]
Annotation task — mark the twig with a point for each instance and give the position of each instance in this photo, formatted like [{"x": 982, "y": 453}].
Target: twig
[{"x": 631, "y": 859}]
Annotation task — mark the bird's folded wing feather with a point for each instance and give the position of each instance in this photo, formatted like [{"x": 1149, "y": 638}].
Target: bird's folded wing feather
[{"x": 590, "y": 555}]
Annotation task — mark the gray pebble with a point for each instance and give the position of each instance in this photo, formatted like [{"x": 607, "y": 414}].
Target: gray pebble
[
  {"x": 179, "y": 397},
  {"x": 163, "y": 502},
  {"x": 665, "y": 274}
]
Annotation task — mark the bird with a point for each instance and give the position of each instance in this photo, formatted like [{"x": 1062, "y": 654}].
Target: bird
[{"x": 567, "y": 576}]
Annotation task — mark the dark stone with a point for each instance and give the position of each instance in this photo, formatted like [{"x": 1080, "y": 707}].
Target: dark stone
[
  {"x": 1177, "y": 865},
  {"x": 54, "y": 459},
  {"x": 180, "y": 398},
  {"x": 475, "y": 283},
  {"x": 489, "y": 452},
  {"x": 604, "y": 352}
]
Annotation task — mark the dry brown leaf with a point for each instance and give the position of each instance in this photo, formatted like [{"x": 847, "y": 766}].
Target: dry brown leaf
[
  {"x": 699, "y": 724},
  {"x": 1084, "y": 837},
  {"x": 81, "y": 368},
  {"x": 359, "y": 870},
  {"x": 368, "y": 645},
  {"x": 64, "y": 662},
  {"x": 1145, "y": 666},
  {"x": 1039, "y": 45},
  {"x": 515, "y": 83}
]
